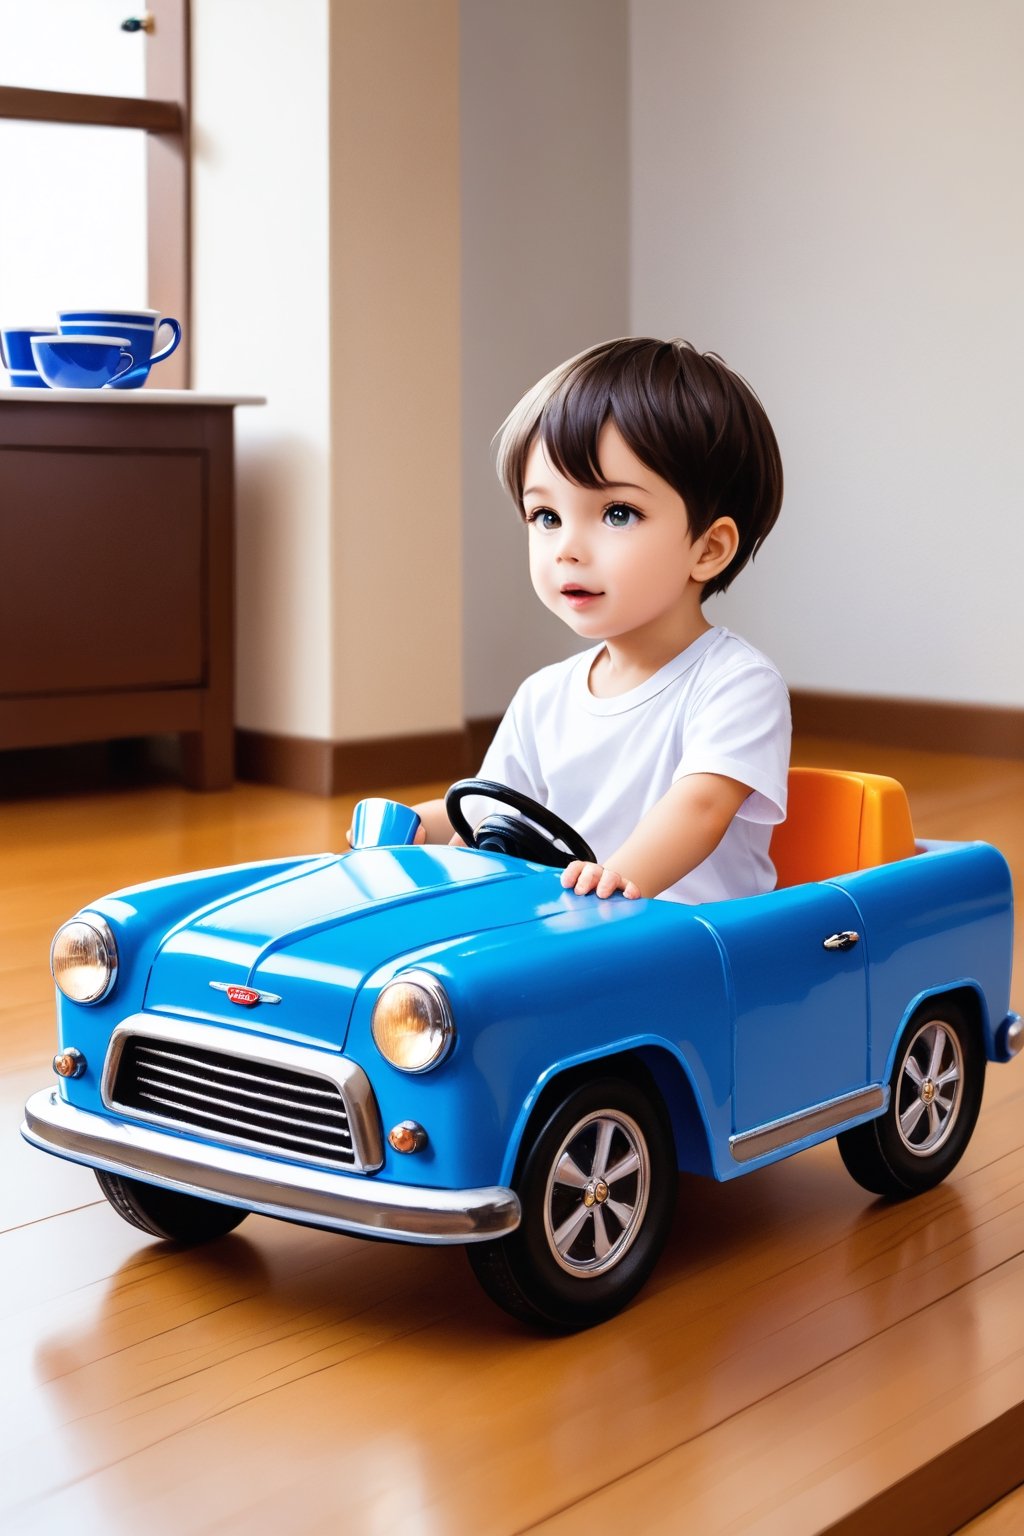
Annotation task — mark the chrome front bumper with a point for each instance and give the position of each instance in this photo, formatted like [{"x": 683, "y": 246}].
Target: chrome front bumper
[{"x": 344, "y": 1202}]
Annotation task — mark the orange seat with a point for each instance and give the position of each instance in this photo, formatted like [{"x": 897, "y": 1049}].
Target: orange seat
[{"x": 838, "y": 822}]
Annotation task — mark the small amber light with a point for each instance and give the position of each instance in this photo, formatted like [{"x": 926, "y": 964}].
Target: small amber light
[
  {"x": 69, "y": 1063},
  {"x": 408, "y": 1137}
]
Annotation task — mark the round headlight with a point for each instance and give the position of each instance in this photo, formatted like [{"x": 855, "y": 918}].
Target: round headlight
[
  {"x": 412, "y": 1022},
  {"x": 83, "y": 959}
]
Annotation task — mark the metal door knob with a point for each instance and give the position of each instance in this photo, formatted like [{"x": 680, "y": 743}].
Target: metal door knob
[{"x": 845, "y": 940}]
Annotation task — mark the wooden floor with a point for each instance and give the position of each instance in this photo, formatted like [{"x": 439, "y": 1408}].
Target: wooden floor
[{"x": 805, "y": 1358}]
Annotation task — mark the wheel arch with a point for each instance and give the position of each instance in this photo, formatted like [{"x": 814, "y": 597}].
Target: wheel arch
[
  {"x": 652, "y": 1068},
  {"x": 968, "y": 996}
]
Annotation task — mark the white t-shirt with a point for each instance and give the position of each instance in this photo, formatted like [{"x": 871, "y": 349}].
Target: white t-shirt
[{"x": 602, "y": 763}]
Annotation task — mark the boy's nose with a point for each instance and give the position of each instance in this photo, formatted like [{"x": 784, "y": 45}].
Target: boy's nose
[{"x": 570, "y": 549}]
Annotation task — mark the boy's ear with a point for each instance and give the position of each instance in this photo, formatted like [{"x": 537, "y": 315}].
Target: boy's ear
[{"x": 719, "y": 544}]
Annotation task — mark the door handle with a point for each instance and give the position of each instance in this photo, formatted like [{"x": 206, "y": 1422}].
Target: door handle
[{"x": 845, "y": 940}]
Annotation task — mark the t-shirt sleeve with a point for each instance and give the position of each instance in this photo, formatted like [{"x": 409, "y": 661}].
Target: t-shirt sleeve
[{"x": 739, "y": 726}]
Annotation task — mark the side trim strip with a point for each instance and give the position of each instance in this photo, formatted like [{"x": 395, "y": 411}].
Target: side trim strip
[
  {"x": 780, "y": 1133},
  {"x": 346, "y": 1202}
]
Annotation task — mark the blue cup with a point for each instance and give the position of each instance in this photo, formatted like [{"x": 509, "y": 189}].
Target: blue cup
[
  {"x": 81, "y": 362},
  {"x": 16, "y": 354},
  {"x": 383, "y": 824},
  {"x": 139, "y": 325}
]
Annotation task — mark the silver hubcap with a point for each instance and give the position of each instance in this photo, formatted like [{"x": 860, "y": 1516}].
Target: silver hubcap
[
  {"x": 929, "y": 1089},
  {"x": 597, "y": 1193}
]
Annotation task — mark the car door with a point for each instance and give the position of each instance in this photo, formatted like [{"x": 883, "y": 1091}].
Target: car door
[{"x": 797, "y": 966}]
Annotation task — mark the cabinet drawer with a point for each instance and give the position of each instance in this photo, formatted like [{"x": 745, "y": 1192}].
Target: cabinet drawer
[{"x": 103, "y": 570}]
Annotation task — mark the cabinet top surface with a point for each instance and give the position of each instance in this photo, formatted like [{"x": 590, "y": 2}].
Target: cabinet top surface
[{"x": 120, "y": 397}]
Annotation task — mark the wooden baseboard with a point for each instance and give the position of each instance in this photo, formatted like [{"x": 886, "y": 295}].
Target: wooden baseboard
[
  {"x": 479, "y": 735},
  {"x": 338, "y": 767},
  {"x": 288, "y": 762},
  {"x": 987, "y": 730},
  {"x": 380, "y": 764}
]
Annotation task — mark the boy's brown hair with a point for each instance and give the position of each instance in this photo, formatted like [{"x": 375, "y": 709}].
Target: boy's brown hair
[{"x": 684, "y": 414}]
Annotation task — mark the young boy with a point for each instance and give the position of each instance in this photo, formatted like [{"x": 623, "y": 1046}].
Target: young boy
[{"x": 647, "y": 475}]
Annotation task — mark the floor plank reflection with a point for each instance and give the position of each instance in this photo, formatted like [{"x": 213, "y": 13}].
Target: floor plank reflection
[{"x": 805, "y": 1358}]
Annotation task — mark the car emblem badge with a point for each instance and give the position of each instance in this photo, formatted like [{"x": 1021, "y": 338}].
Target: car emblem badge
[{"x": 245, "y": 997}]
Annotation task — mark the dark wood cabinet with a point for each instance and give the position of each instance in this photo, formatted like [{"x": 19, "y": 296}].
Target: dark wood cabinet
[{"x": 117, "y": 573}]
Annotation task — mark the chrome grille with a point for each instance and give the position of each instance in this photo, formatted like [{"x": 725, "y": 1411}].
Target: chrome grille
[{"x": 235, "y": 1099}]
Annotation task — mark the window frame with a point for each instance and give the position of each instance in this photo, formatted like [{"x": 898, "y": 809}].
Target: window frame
[{"x": 164, "y": 115}]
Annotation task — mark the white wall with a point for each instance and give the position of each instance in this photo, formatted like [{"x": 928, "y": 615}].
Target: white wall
[
  {"x": 260, "y": 326},
  {"x": 830, "y": 195},
  {"x": 545, "y": 208}
]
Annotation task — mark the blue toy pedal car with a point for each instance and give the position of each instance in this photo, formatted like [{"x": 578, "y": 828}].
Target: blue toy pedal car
[{"x": 441, "y": 1045}]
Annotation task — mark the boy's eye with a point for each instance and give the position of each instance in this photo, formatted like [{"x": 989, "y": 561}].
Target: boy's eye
[
  {"x": 618, "y": 515},
  {"x": 543, "y": 517}
]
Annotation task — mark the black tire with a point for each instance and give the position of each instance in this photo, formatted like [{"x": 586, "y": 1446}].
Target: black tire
[
  {"x": 934, "y": 1098},
  {"x": 166, "y": 1213},
  {"x": 552, "y": 1271}
]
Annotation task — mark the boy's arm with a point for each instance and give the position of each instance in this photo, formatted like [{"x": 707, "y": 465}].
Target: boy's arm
[
  {"x": 436, "y": 827},
  {"x": 678, "y": 833}
]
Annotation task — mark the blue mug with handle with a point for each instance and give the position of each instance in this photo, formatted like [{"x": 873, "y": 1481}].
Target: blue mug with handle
[
  {"x": 139, "y": 325},
  {"x": 16, "y": 354}
]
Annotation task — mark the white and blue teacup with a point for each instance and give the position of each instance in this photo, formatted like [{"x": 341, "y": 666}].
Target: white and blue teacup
[
  {"x": 16, "y": 354},
  {"x": 139, "y": 325},
  {"x": 81, "y": 362}
]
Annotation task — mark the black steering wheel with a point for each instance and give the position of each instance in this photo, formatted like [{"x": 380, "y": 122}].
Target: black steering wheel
[{"x": 512, "y": 835}]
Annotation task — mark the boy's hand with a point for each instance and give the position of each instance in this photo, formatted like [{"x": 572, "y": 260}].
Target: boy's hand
[{"x": 597, "y": 878}]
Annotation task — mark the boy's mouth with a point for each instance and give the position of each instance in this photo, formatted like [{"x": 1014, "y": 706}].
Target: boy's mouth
[{"x": 578, "y": 596}]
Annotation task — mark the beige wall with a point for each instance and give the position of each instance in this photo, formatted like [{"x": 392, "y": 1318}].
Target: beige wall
[{"x": 396, "y": 561}]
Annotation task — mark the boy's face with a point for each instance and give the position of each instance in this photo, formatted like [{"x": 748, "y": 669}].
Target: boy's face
[{"x": 613, "y": 561}]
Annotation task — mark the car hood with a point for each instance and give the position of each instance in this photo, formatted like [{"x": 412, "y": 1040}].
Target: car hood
[{"x": 308, "y": 937}]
